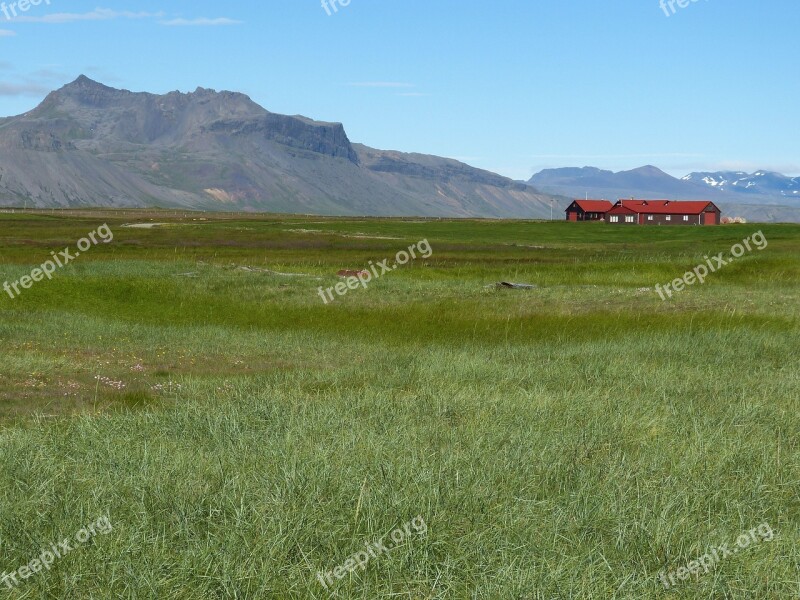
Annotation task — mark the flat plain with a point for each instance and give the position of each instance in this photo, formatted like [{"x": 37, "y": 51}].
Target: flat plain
[{"x": 574, "y": 440}]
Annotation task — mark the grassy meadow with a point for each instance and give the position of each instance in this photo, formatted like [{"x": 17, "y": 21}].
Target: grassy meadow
[{"x": 575, "y": 440}]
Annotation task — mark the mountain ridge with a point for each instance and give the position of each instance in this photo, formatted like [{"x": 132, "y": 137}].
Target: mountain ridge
[{"x": 88, "y": 144}]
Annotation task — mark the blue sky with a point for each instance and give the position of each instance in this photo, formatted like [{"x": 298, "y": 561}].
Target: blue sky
[{"x": 513, "y": 86}]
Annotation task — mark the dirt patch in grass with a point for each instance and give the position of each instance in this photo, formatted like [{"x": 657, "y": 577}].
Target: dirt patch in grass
[{"x": 108, "y": 380}]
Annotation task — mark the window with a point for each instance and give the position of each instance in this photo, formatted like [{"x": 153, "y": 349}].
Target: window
[
  {"x": 669, "y": 217},
  {"x": 685, "y": 217},
  {"x": 649, "y": 217},
  {"x": 613, "y": 219},
  {"x": 630, "y": 219}
]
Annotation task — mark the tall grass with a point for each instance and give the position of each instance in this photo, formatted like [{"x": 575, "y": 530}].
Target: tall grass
[{"x": 572, "y": 441}]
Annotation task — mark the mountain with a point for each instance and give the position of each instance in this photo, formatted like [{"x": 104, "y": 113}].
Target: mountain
[
  {"x": 640, "y": 182},
  {"x": 759, "y": 183},
  {"x": 88, "y": 144},
  {"x": 763, "y": 196}
]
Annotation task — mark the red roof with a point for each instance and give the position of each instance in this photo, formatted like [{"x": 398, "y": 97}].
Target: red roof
[
  {"x": 665, "y": 207},
  {"x": 618, "y": 209},
  {"x": 594, "y": 205}
]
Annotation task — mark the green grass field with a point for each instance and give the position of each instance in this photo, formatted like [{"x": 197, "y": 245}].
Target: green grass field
[{"x": 576, "y": 440}]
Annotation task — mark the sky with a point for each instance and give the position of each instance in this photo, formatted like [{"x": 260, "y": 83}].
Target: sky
[{"x": 513, "y": 86}]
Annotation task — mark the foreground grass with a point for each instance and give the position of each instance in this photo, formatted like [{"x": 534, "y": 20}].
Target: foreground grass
[{"x": 573, "y": 441}]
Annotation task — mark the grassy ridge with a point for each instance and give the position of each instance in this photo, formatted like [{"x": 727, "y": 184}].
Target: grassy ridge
[{"x": 571, "y": 441}]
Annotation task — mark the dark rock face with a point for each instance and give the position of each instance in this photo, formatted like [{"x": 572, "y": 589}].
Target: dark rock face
[
  {"x": 330, "y": 140},
  {"x": 42, "y": 141}
]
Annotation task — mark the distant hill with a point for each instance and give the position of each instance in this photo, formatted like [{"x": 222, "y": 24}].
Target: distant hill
[
  {"x": 762, "y": 196},
  {"x": 88, "y": 144},
  {"x": 759, "y": 184}
]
